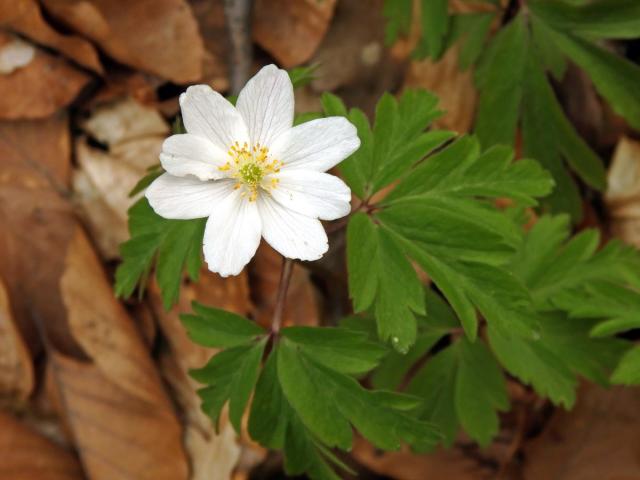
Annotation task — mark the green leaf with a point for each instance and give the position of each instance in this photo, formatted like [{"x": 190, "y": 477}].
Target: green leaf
[
  {"x": 384, "y": 423},
  {"x": 382, "y": 278},
  {"x": 628, "y": 371},
  {"x": 436, "y": 384},
  {"x": 213, "y": 327},
  {"x": 176, "y": 244},
  {"x": 480, "y": 391},
  {"x": 270, "y": 411},
  {"x": 230, "y": 375},
  {"x": 472, "y": 30},
  {"x": 398, "y": 16},
  {"x": 153, "y": 173},
  {"x": 435, "y": 25},
  {"x": 615, "y": 78},
  {"x": 460, "y": 170},
  {"x": 597, "y": 19},
  {"x": 499, "y": 78},
  {"x": 301, "y": 76},
  {"x": 308, "y": 396},
  {"x": 395, "y": 366},
  {"x": 340, "y": 349},
  {"x": 464, "y": 385},
  {"x": 398, "y": 139},
  {"x": 533, "y": 363}
]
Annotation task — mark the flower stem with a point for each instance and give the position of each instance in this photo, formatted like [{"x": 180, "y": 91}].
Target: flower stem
[{"x": 285, "y": 277}]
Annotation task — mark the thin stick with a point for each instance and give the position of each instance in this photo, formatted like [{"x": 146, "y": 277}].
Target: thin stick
[
  {"x": 238, "y": 19},
  {"x": 285, "y": 277}
]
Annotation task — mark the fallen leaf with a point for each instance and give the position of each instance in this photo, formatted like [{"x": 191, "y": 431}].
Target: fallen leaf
[
  {"x": 454, "y": 88},
  {"x": 449, "y": 464},
  {"x": 291, "y": 30},
  {"x": 37, "y": 224},
  {"x": 25, "y": 17},
  {"x": 210, "y": 16},
  {"x": 116, "y": 405},
  {"x": 157, "y": 36},
  {"x": 15, "y": 54},
  {"x": 40, "y": 87},
  {"x": 623, "y": 192},
  {"x": 133, "y": 134},
  {"x": 26, "y": 455},
  {"x": 16, "y": 368},
  {"x": 118, "y": 434},
  {"x": 213, "y": 455},
  {"x": 352, "y": 57},
  {"x": 598, "y": 440}
]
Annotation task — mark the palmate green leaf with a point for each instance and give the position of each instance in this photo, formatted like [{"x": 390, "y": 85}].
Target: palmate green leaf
[
  {"x": 574, "y": 285},
  {"x": 381, "y": 278},
  {"x": 434, "y": 217},
  {"x": 499, "y": 78},
  {"x": 395, "y": 366},
  {"x": 213, "y": 327},
  {"x": 462, "y": 385},
  {"x": 174, "y": 245},
  {"x": 230, "y": 376},
  {"x": 343, "y": 350},
  {"x": 474, "y": 29},
  {"x": 397, "y": 141},
  {"x": 274, "y": 424},
  {"x": 615, "y": 78},
  {"x": 380, "y": 417},
  {"x": 596, "y": 19},
  {"x": 461, "y": 171}
]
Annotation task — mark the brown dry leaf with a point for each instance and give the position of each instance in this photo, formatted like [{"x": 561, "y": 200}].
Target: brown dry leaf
[
  {"x": 291, "y": 30},
  {"x": 118, "y": 410},
  {"x": 301, "y": 304},
  {"x": 40, "y": 87},
  {"x": 213, "y": 456},
  {"x": 26, "y": 455},
  {"x": 454, "y": 88},
  {"x": 156, "y": 36},
  {"x": 352, "y": 56},
  {"x": 25, "y": 17},
  {"x": 117, "y": 434},
  {"x": 16, "y": 369},
  {"x": 37, "y": 224},
  {"x": 449, "y": 464},
  {"x": 210, "y": 16},
  {"x": 133, "y": 134},
  {"x": 623, "y": 194},
  {"x": 598, "y": 440}
]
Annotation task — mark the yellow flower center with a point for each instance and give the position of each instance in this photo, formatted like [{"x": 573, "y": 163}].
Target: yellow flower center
[{"x": 250, "y": 166}]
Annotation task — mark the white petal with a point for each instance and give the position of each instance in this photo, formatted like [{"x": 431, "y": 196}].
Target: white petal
[
  {"x": 189, "y": 154},
  {"x": 208, "y": 114},
  {"x": 184, "y": 198},
  {"x": 290, "y": 233},
  {"x": 266, "y": 104},
  {"x": 232, "y": 235},
  {"x": 314, "y": 194},
  {"x": 316, "y": 145}
]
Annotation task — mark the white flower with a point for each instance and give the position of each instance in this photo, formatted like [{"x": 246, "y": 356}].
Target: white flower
[{"x": 254, "y": 174}]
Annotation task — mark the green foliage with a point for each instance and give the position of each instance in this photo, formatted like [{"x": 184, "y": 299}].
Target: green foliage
[
  {"x": 440, "y": 216},
  {"x": 462, "y": 385},
  {"x": 512, "y": 75},
  {"x": 305, "y": 400},
  {"x": 172, "y": 245}
]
